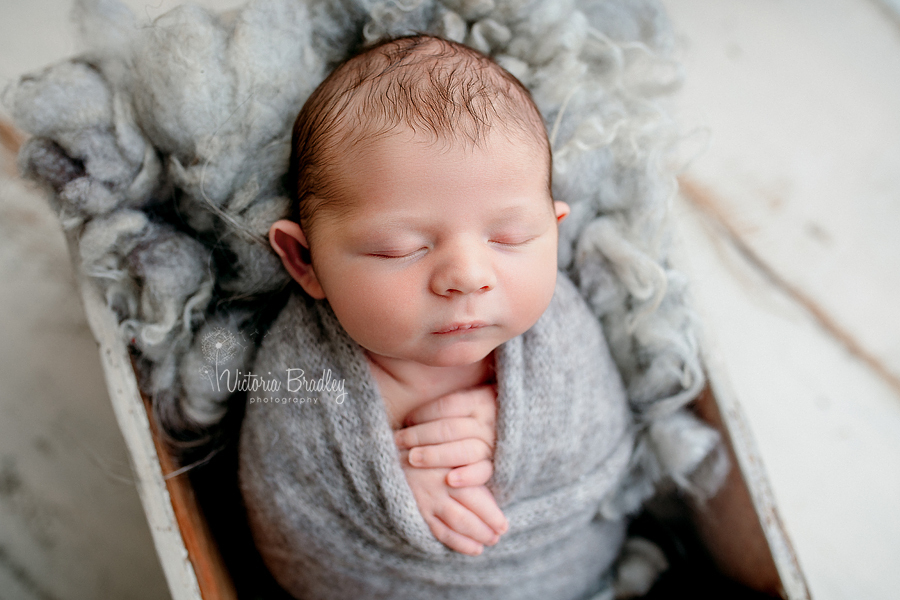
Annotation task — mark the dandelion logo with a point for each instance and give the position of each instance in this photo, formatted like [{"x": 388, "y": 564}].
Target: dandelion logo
[{"x": 218, "y": 347}]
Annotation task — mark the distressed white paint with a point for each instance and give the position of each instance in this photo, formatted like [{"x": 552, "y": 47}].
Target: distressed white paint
[
  {"x": 749, "y": 461},
  {"x": 132, "y": 419}
]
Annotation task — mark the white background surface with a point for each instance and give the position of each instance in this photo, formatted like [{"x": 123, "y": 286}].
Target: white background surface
[
  {"x": 797, "y": 105},
  {"x": 801, "y": 105}
]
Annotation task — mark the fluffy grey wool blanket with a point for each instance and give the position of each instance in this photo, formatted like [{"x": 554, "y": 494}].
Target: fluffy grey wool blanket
[{"x": 329, "y": 506}]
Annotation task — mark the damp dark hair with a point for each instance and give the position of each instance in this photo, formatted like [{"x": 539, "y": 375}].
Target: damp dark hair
[{"x": 431, "y": 85}]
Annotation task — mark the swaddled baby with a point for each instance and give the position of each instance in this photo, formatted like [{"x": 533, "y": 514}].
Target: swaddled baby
[{"x": 448, "y": 418}]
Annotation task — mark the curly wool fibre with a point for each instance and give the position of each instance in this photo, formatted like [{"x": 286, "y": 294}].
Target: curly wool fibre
[{"x": 195, "y": 111}]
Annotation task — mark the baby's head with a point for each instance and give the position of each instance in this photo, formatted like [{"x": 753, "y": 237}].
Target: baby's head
[{"x": 420, "y": 175}]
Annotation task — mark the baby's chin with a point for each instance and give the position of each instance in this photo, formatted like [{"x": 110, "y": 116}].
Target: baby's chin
[
  {"x": 456, "y": 358},
  {"x": 463, "y": 352},
  {"x": 460, "y": 355}
]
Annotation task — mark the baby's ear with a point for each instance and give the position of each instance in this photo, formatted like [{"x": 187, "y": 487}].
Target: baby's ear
[
  {"x": 289, "y": 242},
  {"x": 561, "y": 209}
]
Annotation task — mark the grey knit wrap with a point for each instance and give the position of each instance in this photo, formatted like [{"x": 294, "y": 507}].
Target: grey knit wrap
[{"x": 328, "y": 502}]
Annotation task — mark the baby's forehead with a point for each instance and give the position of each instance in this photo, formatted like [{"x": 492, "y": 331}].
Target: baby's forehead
[
  {"x": 404, "y": 162},
  {"x": 447, "y": 94},
  {"x": 359, "y": 144}
]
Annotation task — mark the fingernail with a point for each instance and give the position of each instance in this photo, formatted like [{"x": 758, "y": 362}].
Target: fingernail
[
  {"x": 453, "y": 479},
  {"x": 494, "y": 540},
  {"x": 415, "y": 456}
]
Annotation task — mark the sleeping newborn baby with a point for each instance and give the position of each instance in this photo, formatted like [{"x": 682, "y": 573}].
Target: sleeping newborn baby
[{"x": 447, "y": 419}]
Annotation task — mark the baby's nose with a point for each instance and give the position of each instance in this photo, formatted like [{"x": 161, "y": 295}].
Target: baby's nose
[{"x": 465, "y": 270}]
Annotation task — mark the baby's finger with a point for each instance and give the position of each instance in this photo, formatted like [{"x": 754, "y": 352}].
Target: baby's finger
[
  {"x": 466, "y": 523},
  {"x": 481, "y": 502},
  {"x": 457, "y": 404},
  {"x": 475, "y": 474},
  {"x": 453, "y": 540},
  {"x": 450, "y": 454},
  {"x": 442, "y": 431}
]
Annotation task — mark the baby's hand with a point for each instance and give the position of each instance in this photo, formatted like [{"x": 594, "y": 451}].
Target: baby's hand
[
  {"x": 464, "y": 519},
  {"x": 456, "y": 430}
]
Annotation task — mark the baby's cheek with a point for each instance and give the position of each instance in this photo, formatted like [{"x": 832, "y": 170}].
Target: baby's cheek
[
  {"x": 530, "y": 296},
  {"x": 531, "y": 305},
  {"x": 374, "y": 308}
]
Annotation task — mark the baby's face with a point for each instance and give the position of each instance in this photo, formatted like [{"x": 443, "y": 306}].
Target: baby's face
[{"x": 444, "y": 252}]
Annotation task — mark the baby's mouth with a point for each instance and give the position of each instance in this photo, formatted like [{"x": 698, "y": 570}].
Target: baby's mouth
[{"x": 461, "y": 327}]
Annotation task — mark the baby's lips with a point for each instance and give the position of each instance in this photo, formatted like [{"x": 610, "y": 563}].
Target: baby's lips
[{"x": 460, "y": 327}]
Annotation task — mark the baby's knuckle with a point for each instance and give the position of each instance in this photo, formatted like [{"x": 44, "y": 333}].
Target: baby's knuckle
[
  {"x": 484, "y": 450},
  {"x": 413, "y": 438},
  {"x": 446, "y": 430},
  {"x": 487, "y": 434},
  {"x": 472, "y": 451},
  {"x": 486, "y": 409}
]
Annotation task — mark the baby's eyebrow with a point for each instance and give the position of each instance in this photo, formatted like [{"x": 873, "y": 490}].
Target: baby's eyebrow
[
  {"x": 388, "y": 226},
  {"x": 393, "y": 223},
  {"x": 516, "y": 213}
]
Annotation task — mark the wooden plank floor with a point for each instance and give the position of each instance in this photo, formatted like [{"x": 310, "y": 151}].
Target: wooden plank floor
[{"x": 788, "y": 223}]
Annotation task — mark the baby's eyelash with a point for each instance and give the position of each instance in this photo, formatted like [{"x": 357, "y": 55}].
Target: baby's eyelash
[
  {"x": 396, "y": 256},
  {"x": 513, "y": 244}
]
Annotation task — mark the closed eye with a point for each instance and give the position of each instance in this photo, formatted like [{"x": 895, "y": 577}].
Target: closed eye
[
  {"x": 513, "y": 242},
  {"x": 398, "y": 255}
]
